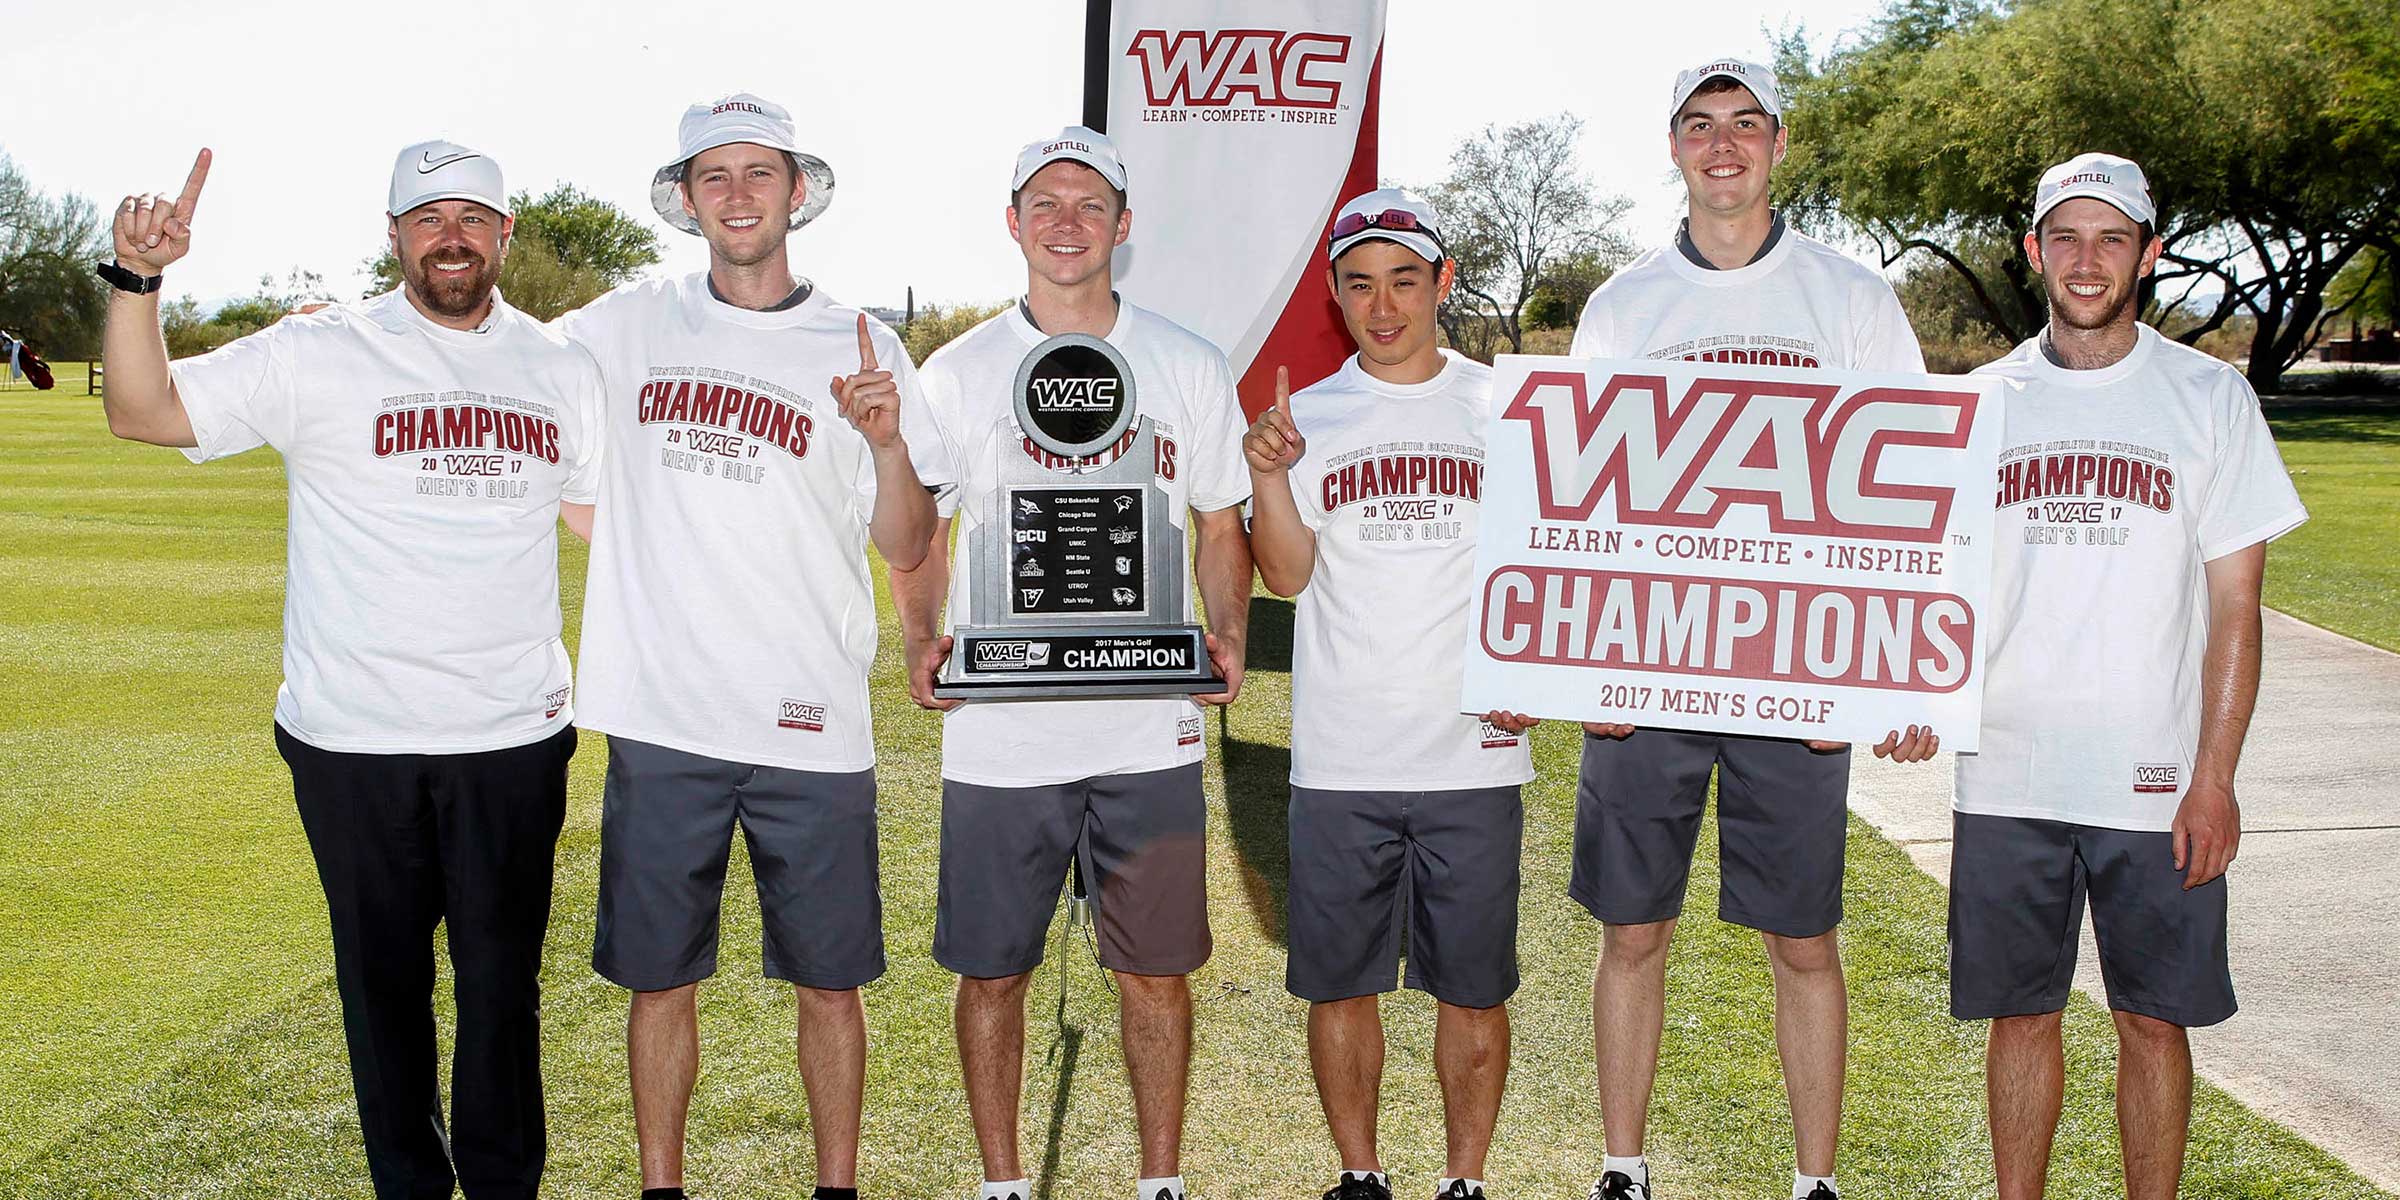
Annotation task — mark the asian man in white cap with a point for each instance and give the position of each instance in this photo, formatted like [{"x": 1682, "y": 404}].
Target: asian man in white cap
[
  {"x": 2139, "y": 487},
  {"x": 432, "y": 437},
  {"x": 1027, "y": 786},
  {"x": 1423, "y": 834},
  {"x": 760, "y": 433},
  {"x": 1737, "y": 285}
]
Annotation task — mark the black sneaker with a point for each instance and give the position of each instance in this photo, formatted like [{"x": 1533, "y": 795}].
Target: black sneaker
[
  {"x": 1617, "y": 1185},
  {"x": 1358, "y": 1187},
  {"x": 1823, "y": 1191}
]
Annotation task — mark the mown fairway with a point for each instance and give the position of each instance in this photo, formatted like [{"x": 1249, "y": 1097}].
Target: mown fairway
[{"x": 169, "y": 1026}]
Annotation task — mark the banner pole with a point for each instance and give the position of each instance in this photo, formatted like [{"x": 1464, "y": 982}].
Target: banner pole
[{"x": 1097, "y": 19}]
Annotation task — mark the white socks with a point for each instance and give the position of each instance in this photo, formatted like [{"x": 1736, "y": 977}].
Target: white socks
[
  {"x": 1636, "y": 1168},
  {"x": 1803, "y": 1184},
  {"x": 1442, "y": 1189},
  {"x": 1380, "y": 1179},
  {"x": 1013, "y": 1189},
  {"x": 1149, "y": 1189}
]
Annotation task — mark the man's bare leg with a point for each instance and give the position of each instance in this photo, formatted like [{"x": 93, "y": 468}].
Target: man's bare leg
[
  {"x": 1470, "y": 1054},
  {"x": 1629, "y": 1015},
  {"x": 1154, "y": 1017},
  {"x": 2154, "y": 1103},
  {"x": 1812, "y": 1033},
  {"x": 833, "y": 1068},
  {"x": 990, "y": 1024},
  {"x": 1345, "y": 1052},
  {"x": 2025, "y": 1084},
  {"x": 662, "y": 1054}
]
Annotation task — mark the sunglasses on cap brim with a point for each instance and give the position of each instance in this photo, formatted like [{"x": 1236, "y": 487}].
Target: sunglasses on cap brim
[{"x": 1390, "y": 220}]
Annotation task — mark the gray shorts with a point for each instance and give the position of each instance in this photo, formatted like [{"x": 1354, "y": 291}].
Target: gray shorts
[
  {"x": 1446, "y": 863},
  {"x": 2017, "y": 888},
  {"x": 666, "y": 832},
  {"x": 1782, "y": 827},
  {"x": 1142, "y": 840}
]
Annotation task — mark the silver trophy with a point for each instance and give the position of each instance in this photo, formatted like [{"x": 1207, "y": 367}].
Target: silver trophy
[{"x": 1079, "y": 575}]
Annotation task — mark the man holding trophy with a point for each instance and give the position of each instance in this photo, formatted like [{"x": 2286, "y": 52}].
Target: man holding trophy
[{"x": 1086, "y": 428}]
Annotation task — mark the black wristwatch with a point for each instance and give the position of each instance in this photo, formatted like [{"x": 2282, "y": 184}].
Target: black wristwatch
[{"x": 126, "y": 281}]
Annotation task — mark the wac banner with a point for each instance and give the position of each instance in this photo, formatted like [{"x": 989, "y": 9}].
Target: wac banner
[{"x": 1736, "y": 549}]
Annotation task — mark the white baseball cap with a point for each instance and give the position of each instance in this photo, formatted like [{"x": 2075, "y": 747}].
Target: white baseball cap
[
  {"x": 1073, "y": 144},
  {"x": 2118, "y": 181},
  {"x": 1393, "y": 214},
  {"x": 1758, "y": 79},
  {"x": 740, "y": 117},
  {"x": 438, "y": 170}
]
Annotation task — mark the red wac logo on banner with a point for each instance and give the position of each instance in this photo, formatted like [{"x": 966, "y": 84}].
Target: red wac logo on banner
[
  {"x": 1272, "y": 68},
  {"x": 1738, "y": 441}
]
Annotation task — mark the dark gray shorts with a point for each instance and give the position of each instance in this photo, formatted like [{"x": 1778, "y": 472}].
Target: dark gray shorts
[
  {"x": 1142, "y": 839},
  {"x": 666, "y": 831},
  {"x": 1782, "y": 827},
  {"x": 1445, "y": 862},
  {"x": 2017, "y": 888}
]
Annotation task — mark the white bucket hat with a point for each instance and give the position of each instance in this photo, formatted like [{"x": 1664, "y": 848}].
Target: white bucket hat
[{"x": 740, "y": 117}]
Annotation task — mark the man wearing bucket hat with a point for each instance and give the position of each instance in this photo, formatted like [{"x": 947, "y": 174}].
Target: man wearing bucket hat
[
  {"x": 1429, "y": 830},
  {"x": 2151, "y": 569},
  {"x": 760, "y": 434},
  {"x": 1115, "y": 783},
  {"x": 1736, "y": 285},
  {"x": 432, "y": 437}
]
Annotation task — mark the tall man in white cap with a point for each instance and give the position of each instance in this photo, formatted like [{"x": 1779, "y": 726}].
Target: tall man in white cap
[
  {"x": 2107, "y": 773},
  {"x": 1028, "y": 786},
  {"x": 432, "y": 437},
  {"x": 760, "y": 434},
  {"x": 1736, "y": 285},
  {"x": 1437, "y": 821}
]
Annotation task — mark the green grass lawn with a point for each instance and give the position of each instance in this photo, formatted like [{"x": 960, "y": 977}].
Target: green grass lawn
[
  {"x": 171, "y": 1029},
  {"x": 2342, "y": 569}
]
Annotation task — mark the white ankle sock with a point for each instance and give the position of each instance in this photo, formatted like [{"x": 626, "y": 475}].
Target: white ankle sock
[
  {"x": 1804, "y": 1183},
  {"x": 1148, "y": 1189},
  {"x": 1010, "y": 1189},
  {"x": 1381, "y": 1180},
  {"x": 1443, "y": 1188},
  {"x": 1636, "y": 1168}
]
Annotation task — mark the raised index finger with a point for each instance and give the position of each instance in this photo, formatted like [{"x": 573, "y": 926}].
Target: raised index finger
[
  {"x": 1283, "y": 390},
  {"x": 866, "y": 346},
  {"x": 190, "y": 199}
]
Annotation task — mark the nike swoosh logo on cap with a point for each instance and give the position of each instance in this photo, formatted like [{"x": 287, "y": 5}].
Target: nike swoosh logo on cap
[{"x": 432, "y": 164}]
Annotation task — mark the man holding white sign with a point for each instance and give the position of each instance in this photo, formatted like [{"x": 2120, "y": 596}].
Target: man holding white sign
[
  {"x": 1736, "y": 287},
  {"x": 2139, "y": 488}
]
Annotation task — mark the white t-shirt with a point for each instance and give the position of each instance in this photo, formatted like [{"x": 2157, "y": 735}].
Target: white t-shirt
[
  {"x": 728, "y": 611},
  {"x": 2115, "y": 486},
  {"x": 1805, "y": 304},
  {"x": 1185, "y": 389},
  {"x": 1392, "y": 484},
  {"x": 424, "y": 467}
]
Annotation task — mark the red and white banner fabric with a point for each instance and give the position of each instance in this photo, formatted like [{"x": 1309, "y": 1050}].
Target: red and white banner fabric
[
  {"x": 1244, "y": 126},
  {"x": 1737, "y": 549}
]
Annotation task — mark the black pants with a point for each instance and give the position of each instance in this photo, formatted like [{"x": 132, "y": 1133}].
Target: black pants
[{"x": 403, "y": 842}]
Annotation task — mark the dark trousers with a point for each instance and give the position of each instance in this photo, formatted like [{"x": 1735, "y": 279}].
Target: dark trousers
[{"x": 404, "y": 842}]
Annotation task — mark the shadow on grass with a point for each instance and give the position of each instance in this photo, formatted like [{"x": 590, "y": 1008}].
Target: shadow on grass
[
  {"x": 2327, "y": 420},
  {"x": 1258, "y": 777}
]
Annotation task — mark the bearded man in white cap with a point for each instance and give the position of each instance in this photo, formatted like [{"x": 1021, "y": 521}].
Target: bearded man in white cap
[
  {"x": 1736, "y": 286},
  {"x": 1113, "y": 783},
  {"x": 2106, "y": 774},
  {"x": 760, "y": 433},
  {"x": 432, "y": 437}
]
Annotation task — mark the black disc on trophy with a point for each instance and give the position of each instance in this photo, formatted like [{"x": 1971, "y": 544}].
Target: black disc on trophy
[{"x": 1074, "y": 395}]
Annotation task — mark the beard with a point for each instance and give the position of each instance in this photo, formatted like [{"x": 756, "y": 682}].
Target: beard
[
  {"x": 2073, "y": 312},
  {"x": 452, "y": 294},
  {"x": 747, "y": 247}
]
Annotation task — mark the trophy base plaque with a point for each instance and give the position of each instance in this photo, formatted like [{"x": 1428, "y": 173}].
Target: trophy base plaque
[{"x": 1077, "y": 661}]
